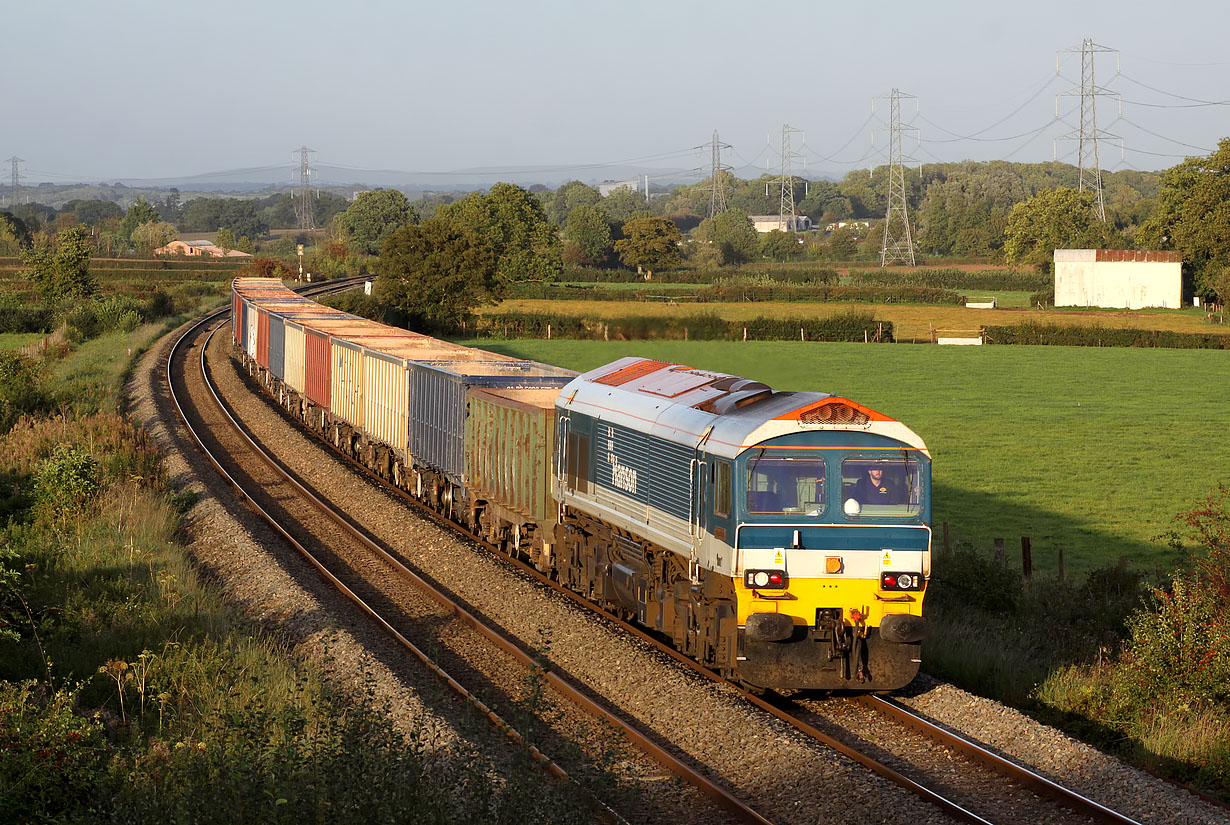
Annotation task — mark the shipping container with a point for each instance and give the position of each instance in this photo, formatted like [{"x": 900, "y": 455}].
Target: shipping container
[
  {"x": 346, "y": 382},
  {"x": 509, "y": 434},
  {"x": 277, "y": 346},
  {"x": 236, "y": 317},
  {"x": 262, "y": 337},
  {"x": 316, "y": 367},
  {"x": 386, "y": 394},
  {"x": 249, "y": 328},
  {"x": 437, "y": 409},
  {"x": 294, "y": 357}
]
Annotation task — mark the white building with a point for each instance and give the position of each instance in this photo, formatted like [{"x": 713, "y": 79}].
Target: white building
[
  {"x": 1121, "y": 278},
  {"x": 792, "y": 223}
]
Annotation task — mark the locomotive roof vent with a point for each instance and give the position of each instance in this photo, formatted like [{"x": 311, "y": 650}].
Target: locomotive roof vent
[{"x": 835, "y": 412}]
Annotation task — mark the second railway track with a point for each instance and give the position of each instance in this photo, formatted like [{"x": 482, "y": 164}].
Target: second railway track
[{"x": 790, "y": 779}]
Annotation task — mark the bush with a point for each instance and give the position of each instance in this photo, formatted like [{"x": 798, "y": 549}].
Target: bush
[
  {"x": 51, "y": 759},
  {"x": 986, "y": 280},
  {"x": 854, "y": 326},
  {"x": 67, "y": 480},
  {"x": 20, "y": 316},
  {"x": 22, "y": 389},
  {"x": 1097, "y": 336},
  {"x": 93, "y": 318}
]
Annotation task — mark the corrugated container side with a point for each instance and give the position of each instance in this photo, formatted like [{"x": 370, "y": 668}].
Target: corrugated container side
[
  {"x": 509, "y": 435},
  {"x": 236, "y": 317},
  {"x": 386, "y": 394},
  {"x": 249, "y": 322},
  {"x": 294, "y": 356},
  {"x": 316, "y": 367},
  {"x": 277, "y": 346},
  {"x": 262, "y": 338},
  {"x": 346, "y": 390},
  {"x": 437, "y": 420}
]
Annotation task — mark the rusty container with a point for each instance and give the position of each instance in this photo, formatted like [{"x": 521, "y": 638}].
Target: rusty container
[
  {"x": 509, "y": 437},
  {"x": 317, "y": 386},
  {"x": 262, "y": 337}
]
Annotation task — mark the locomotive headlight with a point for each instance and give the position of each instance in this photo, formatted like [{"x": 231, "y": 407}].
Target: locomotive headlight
[
  {"x": 766, "y": 579},
  {"x": 901, "y": 581}
]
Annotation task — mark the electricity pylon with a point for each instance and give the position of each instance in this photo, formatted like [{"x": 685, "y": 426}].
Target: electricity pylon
[
  {"x": 717, "y": 186},
  {"x": 898, "y": 243},
  {"x": 1090, "y": 169},
  {"x": 786, "y": 217},
  {"x": 303, "y": 202},
  {"x": 16, "y": 179}
]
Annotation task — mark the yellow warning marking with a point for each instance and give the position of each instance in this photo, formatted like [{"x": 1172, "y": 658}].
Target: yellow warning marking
[{"x": 887, "y": 559}]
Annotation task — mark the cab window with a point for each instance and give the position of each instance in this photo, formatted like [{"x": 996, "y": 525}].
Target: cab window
[
  {"x": 721, "y": 487},
  {"x": 785, "y": 485},
  {"x": 881, "y": 487}
]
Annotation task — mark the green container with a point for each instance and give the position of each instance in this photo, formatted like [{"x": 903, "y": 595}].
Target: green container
[{"x": 509, "y": 436}]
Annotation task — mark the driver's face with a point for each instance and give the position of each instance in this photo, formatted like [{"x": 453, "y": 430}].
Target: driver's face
[{"x": 875, "y": 473}]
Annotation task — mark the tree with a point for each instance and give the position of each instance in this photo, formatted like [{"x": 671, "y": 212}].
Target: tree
[
  {"x": 590, "y": 229},
  {"x": 225, "y": 239},
  {"x": 649, "y": 244},
  {"x": 202, "y": 215},
  {"x": 92, "y": 213},
  {"x": 149, "y": 236},
  {"x": 567, "y": 198},
  {"x": 437, "y": 272},
  {"x": 13, "y": 235},
  {"x": 137, "y": 214},
  {"x": 61, "y": 267},
  {"x": 842, "y": 243},
  {"x": 515, "y": 226},
  {"x": 1193, "y": 215},
  {"x": 1053, "y": 219},
  {"x": 731, "y": 235},
  {"x": 780, "y": 246},
  {"x": 374, "y": 216},
  {"x": 241, "y": 219},
  {"x": 624, "y": 204}
]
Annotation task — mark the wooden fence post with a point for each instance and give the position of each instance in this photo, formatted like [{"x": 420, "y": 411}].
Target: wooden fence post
[
  {"x": 1027, "y": 558},
  {"x": 548, "y": 332},
  {"x": 999, "y": 550},
  {"x": 1061, "y": 562}
]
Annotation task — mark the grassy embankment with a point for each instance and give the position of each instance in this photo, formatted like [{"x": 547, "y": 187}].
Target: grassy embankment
[{"x": 130, "y": 692}]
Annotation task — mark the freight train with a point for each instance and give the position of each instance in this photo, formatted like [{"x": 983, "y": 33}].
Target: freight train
[{"x": 781, "y": 538}]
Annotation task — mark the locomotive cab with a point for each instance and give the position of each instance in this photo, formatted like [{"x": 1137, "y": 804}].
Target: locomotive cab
[{"x": 832, "y": 557}]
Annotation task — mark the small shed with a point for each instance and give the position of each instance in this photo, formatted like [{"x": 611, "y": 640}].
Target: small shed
[{"x": 1118, "y": 278}]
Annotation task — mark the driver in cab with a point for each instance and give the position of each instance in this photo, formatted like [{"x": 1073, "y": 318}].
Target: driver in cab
[{"x": 874, "y": 488}]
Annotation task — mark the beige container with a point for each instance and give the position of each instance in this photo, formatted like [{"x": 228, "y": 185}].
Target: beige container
[
  {"x": 346, "y": 387},
  {"x": 386, "y": 391},
  {"x": 294, "y": 362}
]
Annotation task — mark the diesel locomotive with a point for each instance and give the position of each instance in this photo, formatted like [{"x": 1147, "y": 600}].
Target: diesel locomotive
[{"x": 781, "y": 538}]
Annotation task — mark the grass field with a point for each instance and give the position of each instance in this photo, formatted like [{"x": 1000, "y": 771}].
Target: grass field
[
  {"x": 1091, "y": 450},
  {"x": 17, "y": 340},
  {"x": 912, "y": 321}
]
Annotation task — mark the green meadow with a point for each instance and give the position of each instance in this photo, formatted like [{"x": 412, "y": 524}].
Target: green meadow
[{"x": 1092, "y": 450}]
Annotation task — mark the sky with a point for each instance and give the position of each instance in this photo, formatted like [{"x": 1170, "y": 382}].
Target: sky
[{"x": 166, "y": 89}]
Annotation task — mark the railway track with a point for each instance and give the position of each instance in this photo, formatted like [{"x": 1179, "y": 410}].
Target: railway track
[
  {"x": 1018, "y": 796},
  {"x": 394, "y": 596}
]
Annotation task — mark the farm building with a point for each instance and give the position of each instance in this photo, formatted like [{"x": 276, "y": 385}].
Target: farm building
[
  {"x": 1124, "y": 278},
  {"x": 789, "y": 223},
  {"x": 199, "y": 249}
]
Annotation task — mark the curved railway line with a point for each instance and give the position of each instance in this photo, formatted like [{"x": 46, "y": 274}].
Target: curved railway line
[{"x": 959, "y": 779}]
